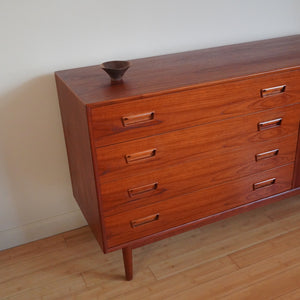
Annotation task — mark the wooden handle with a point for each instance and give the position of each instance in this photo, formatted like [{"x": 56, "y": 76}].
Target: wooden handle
[
  {"x": 135, "y": 157},
  {"x": 143, "y": 189},
  {"x": 264, "y": 183},
  {"x": 269, "y": 124},
  {"x": 273, "y": 91},
  {"x": 267, "y": 154},
  {"x": 136, "y": 119},
  {"x": 143, "y": 221}
]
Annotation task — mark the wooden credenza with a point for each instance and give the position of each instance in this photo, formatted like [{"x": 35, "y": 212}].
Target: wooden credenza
[{"x": 185, "y": 140}]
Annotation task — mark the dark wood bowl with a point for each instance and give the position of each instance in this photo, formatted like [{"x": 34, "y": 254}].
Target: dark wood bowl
[{"x": 115, "y": 69}]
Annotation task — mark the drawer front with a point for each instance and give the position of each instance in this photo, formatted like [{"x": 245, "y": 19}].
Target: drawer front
[
  {"x": 139, "y": 156},
  {"x": 210, "y": 170},
  {"x": 125, "y": 121},
  {"x": 144, "y": 221}
]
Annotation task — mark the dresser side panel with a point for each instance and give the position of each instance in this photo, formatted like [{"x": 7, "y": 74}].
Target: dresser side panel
[{"x": 76, "y": 132}]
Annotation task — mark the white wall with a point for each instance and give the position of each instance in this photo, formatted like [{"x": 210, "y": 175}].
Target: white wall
[{"x": 39, "y": 37}]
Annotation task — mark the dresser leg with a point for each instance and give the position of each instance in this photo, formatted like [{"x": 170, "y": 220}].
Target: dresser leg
[{"x": 127, "y": 258}]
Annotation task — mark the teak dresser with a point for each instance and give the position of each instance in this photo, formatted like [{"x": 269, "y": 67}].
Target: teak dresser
[{"x": 185, "y": 140}]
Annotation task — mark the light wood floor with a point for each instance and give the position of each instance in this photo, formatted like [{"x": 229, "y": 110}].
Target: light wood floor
[{"x": 255, "y": 255}]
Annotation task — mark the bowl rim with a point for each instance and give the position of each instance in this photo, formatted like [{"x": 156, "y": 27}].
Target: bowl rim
[{"x": 126, "y": 63}]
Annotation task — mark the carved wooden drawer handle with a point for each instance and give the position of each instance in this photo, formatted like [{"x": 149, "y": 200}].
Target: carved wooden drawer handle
[
  {"x": 135, "y": 157},
  {"x": 269, "y": 124},
  {"x": 267, "y": 154},
  {"x": 137, "y": 119},
  {"x": 143, "y": 221},
  {"x": 264, "y": 183},
  {"x": 143, "y": 189},
  {"x": 273, "y": 91}
]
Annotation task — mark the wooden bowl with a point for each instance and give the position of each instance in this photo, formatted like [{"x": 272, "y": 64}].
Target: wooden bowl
[{"x": 115, "y": 69}]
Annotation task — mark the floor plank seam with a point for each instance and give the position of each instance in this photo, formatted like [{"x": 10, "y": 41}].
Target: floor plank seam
[
  {"x": 228, "y": 253},
  {"x": 240, "y": 288},
  {"x": 198, "y": 283},
  {"x": 289, "y": 292},
  {"x": 83, "y": 278},
  {"x": 234, "y": 262},
  {"x": 157, "y": 279},
  {"x": 253, "y": 283},
  {"x": 50, "y": 281}
]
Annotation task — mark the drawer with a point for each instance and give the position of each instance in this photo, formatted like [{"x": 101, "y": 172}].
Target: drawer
[
  {"x": 136, "y": 157},
  {"x": 144, "y": 221},
  {"x": 119, "y": 122},
  {"x": 210, "y": 170}
]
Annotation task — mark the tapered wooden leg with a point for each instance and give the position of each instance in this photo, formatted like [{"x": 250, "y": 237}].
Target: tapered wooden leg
[{"x": 127, "y": 258}]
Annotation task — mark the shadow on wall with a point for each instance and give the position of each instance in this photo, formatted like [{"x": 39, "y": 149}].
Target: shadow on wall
[{"x": 33, "y": 157}]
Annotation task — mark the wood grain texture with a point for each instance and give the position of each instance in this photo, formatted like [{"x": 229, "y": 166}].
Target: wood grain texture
[
  {"x": 255, "y": 253},
  {"x": 193, "y": 107},
  {"x": 181, "y": 145},
  {"x": 208, "y": 220},
  {"x": 209, "y": 170},
  {"x": 76, "y": 133},
  {"x": 230, "y": 244},
  {"x": 180, "y": 210},
  {"x": 170, "y": 72}
]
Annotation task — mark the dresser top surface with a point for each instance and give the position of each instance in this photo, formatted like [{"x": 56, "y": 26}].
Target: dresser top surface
[{"x": 154, "y": 75}]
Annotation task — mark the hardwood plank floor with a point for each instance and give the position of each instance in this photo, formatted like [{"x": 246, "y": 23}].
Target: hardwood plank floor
[{"x": 255, "y": 255}]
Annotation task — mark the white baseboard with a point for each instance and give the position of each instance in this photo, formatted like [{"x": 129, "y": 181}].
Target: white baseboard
[{"x": 41, "y": 229}]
